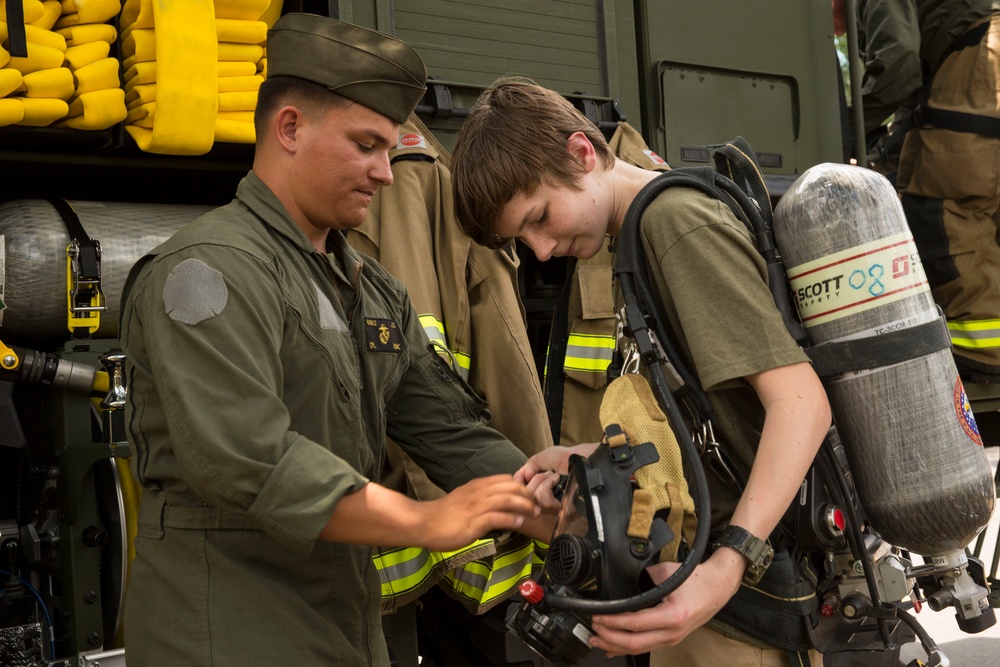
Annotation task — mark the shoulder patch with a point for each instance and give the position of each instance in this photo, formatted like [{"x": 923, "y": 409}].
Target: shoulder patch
[
  {"x": 654, "y": 158},
  {"x": 194, "y": 292},
  {"x": 328, "y": 317},
  {"x": 383, "y": 335},
  {"x": 411, "y": 140}
]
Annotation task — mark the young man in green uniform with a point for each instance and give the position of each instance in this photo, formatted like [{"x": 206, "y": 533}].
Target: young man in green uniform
[
  {"x": 267, "y": 363},
  {"x": 528, "y": 166}
]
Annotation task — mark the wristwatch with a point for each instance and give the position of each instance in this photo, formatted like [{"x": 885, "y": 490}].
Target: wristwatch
[{"x": 757, "y": 551}]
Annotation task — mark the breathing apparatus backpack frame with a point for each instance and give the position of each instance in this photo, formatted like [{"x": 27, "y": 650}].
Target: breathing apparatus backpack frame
[{"x": 647, "y": 324}]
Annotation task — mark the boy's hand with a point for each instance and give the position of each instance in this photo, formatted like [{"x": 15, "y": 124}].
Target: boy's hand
[
  {"x": 672, "y": 619},
  {"x": 554, "y": 458}
]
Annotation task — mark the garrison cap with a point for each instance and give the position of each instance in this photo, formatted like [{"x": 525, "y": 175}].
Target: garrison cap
[{"x": 365, "y": 66}]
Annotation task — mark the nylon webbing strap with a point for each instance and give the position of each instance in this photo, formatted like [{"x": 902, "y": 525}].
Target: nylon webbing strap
[
  {"x": 861, "y": 354},
  {"x": 957, "y": 121},
  {"x": 17, "y": 40},
  {"x": 554, "y": 381},
  {"x": 967, "y": 39}
]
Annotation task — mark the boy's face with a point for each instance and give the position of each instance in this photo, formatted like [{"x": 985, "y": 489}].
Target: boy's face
[{"x": 558, "y": 220}]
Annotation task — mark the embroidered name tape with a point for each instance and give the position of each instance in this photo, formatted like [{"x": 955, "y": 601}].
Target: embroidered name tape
[{"x": 383, "y": 335}]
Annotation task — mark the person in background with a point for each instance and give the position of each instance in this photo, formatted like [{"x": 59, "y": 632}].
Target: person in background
[{"x": 935, "y": 67}]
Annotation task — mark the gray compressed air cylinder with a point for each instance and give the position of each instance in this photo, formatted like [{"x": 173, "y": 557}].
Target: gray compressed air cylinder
[
  {"x": 33, "y": 240},
  {"x": 909, "y": 434}
]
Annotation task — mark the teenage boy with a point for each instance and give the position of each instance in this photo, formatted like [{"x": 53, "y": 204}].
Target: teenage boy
[{"x": 528, "y": 166}]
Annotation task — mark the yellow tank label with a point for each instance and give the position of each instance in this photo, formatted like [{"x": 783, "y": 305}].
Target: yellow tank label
[{"x": 857, "y": 279}]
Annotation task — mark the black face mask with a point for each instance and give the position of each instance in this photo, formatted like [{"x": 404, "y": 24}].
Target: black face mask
[{"x": 591, "y": 554}]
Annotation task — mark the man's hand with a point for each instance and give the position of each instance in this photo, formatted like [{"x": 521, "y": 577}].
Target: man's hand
[
  {"x": 498, "y": 502},
  {"x": 379, "y": 516}
]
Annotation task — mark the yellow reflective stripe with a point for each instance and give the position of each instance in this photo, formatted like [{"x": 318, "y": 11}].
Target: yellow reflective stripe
[
  {"x": 483, "y": 582},
  {"x": 464, "y": 362},
  {"x": 434, "y": 328},
  {"x": 406, "y": 568},
  {"x": 589, "y": 353},
  {"x": 975, "y": 334}
]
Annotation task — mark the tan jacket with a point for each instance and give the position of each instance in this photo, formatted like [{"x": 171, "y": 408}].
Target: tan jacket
[
  {"x": 591, "y": 317},
  {"x": 465, "y": 294}
]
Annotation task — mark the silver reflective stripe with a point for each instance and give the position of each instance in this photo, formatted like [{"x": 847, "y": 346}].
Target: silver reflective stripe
[
  {"x": 975, "y": 334},
  {"x": 589, "y": 353},
  {"x": 434, "y": 328}
]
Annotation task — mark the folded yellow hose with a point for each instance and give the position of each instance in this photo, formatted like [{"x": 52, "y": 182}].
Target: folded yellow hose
[
  {"x": 238, "y": 116},
  {"x": 84, "y": 34},
  {"x": 55, "y": 83},
  {"x": 39, "y": 57},
  {"x": 241, "y": 32},
  {"x": 229, "y": 84},
  {"x": 243, "y": 100},
  {"x": 11, "y": 111},
  {"x": 272, "y": 13},
  {"x": 140, "y": 73},
  {"x": 79, "y": 12},
  {"x": 186, "y": 71},
  {"x": 96, "y": 110},
  {"x": 33, "y": 10},
  {"x": 235, "y": 132},
  {"x": 51, "y": 11},
  {"x": 244, "y": 10},
  {"x": 236, "y": 68},
  {"x": 242, "y": 52},
  {"x": 139, "y": 95},
  {"x": 99, "y": 75},
  {"x": 10, "y": 80},
  {"x": 4, "y": 57},
  {"x": 42, "y": 112},
  {"x": 85, "y": 54},
  {"x": 45, "y": 37}
]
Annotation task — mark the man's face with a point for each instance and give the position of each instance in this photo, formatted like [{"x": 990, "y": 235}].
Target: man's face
[
  {"x": 342, "y": 159},
  {"x": 558, "y": 220}
]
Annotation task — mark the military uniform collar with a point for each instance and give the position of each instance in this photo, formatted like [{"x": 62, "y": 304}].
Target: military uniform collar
[{"x": 259, "y": 198}]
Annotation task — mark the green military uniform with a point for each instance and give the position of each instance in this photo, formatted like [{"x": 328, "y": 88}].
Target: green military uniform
[
  {"x": 945, "y": 56},
  {"x": 264, "y": 379},
  {"x": 590, "y": 334},
  {"x": 709, "y": 276}
]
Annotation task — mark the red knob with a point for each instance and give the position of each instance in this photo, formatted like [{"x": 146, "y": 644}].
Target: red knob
[{"x": 532, "y": 591}]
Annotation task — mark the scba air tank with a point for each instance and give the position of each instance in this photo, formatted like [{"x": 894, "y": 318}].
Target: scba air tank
[
  {"x": 911, "y": 440},
  {"x": 33, "y": 272}
]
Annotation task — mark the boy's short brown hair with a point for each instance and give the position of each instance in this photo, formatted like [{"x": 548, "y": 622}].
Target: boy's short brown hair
[{"x": 512, "y": 141}]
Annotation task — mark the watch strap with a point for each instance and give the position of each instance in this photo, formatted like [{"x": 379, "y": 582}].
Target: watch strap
[{"x": 757, "y": 552}]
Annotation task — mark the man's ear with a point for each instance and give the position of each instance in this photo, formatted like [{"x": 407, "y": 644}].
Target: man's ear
[
  {"x": 286, "y": 126},
  {"x": 580, "y": 149}
]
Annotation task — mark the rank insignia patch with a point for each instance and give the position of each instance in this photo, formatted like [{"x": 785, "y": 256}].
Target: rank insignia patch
[{"x": 383, "y": 335}]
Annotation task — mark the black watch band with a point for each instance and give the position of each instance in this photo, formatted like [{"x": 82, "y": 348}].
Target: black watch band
[{"x": 756, "y": 551}]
